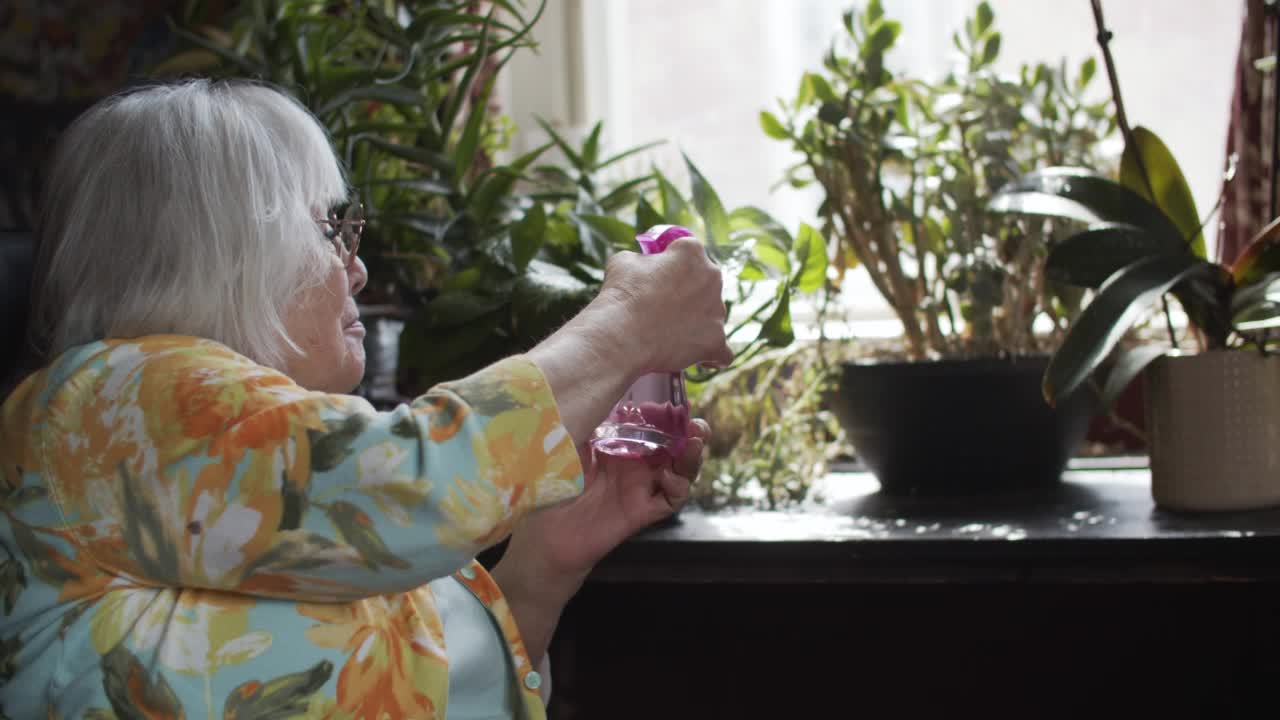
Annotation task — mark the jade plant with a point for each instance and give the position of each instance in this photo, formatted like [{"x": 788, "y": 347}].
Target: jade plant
[{"x": 907, "y": 166}]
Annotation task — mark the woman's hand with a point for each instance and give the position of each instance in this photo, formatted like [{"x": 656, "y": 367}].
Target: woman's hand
[
  {"x": 674, "y": 305},
  {"x": 655, "y": 313},
  {"x": 621, "y": 498},
  {"x": 552, "y": 551}
]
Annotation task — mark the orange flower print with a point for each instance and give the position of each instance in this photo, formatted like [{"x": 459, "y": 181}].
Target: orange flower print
[
  {"x": 446, "y": 417},
  {"x": 395, "y": 647}
]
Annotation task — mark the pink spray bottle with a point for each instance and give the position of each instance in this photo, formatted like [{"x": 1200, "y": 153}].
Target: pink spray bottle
[{"x": 652, "y": 417}]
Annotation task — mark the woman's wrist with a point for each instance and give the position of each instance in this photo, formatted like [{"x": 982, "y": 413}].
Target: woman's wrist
[
  {"x": 536, "y": 596},
  {"x": 529, "y": 574},
  {"x": 589, "y": 364}
]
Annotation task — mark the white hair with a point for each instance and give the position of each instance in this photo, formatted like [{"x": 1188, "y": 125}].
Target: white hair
[{"x": 186, "y": 209}]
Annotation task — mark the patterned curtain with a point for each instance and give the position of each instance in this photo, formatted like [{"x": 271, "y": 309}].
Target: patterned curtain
[{"x": 1247, "y": 201}]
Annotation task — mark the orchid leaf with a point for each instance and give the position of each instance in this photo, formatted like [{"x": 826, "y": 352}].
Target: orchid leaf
[{"x": 1114, "y": 310}]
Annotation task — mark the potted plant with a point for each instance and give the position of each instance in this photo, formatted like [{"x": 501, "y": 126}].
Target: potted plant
[
  {"x": 479, "y": 257},
  {"x": 404, "y": 90},
  {"x": 907, "y": 168},
  {"x": 1211, "y": 415}
]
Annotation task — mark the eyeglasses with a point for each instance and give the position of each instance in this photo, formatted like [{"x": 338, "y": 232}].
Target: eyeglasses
[{"x": 344, "y": 232}]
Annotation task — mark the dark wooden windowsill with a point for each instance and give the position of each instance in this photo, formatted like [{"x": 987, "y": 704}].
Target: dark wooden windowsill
[{"x": 1098, "y": 526}]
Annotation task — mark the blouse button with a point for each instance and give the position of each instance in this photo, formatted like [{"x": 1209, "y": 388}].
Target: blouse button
[
  {"x": 533, "y": 680},
  {"x": 468, "y": 573}
]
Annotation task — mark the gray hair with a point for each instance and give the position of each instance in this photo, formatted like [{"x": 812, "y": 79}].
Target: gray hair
[{"x": 186, "y": 209}]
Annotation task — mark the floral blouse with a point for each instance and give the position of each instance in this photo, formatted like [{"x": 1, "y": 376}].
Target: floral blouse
[{"x": 188, "y": 534}]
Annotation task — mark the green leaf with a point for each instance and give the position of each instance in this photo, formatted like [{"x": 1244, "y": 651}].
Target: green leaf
[
  {"x": 1080, "y": 195},
  {"x": 432, "y": 226},
  {"x": 770, "y": 256},
  {"x": 772, "y": 126},
  {"x": 190, "y": 62},
  {"x": 356, "y": 528},
  {"x": 874, "y": 11},
  {"x": 283, "y": 697},
  {"x": 1088, "y": 258},
  {"x": 461, "y": 93},
  {"x": 488, "y": 191},
  {"x": 883, "y": 34},
  {"x": 544, "y": 299},
  {"x": 1113, "y": 311},
  {"x": 618, "y": 234},
  {"x": 647, "y": 216},
  {"x": 574, "y": 158},
  {"x": 991, "y": 49},
  {"x": 469, "y": 145},
  {"x": 1128, "y": 364},
  {"x": 412, "y": 153},
  {"x": 705, "y": 199},
  {"x": 984, "y": 17},
  {"x": 591, "y": 148},
  {"x": 624, "y": 194},
  {"x": 752, "y": 271},
  {"x": 1206, "y": 297},
  {"x": 527, "y": 236},
  {"x": 391, "y": 94},
  {"x": 417, "y": 184},
  {"x": 244, "y": 66},
  {"x": 1260, "y": 257},
  {"x": 628, "y": 153},
  {"x": 1087, "y": 70},
  {"x": 777, "y": 329},
  {"x": 1262, "y": 316},
  {"x": 457, "y": 308},
  {"x": 1257, "y": 307},
  {"x": 135, "y": 692},
  {"x": 675, "y": 211},
  {"x": 754, "y": 222},
  {"x": 1172, "y": 194},
  {"x": 329, "y": 448},
  {"x": 811, "y": 250},
  {"x": 832, "y": 114},
  {"x": 821, "y": 88}
]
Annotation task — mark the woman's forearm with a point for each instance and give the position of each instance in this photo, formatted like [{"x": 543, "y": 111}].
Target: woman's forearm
[
  {"x": 536, "y": 598},
  {"x": 589, "y": 364}
]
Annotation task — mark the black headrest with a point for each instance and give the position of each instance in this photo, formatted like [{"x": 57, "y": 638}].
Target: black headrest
[{"x": 17, "y": 259}]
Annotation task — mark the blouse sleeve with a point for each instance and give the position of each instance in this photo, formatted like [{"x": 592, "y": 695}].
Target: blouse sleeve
[{"x": 209, "y": 471}]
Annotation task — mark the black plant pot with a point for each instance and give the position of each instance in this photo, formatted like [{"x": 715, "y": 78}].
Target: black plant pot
[{"x": 959, "y": 427}]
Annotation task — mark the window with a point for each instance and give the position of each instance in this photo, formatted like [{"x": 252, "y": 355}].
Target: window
[{"x": 697, "y": 73}]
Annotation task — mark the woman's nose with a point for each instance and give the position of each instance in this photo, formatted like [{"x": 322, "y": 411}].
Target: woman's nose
[{"x": 358, "y": 275}]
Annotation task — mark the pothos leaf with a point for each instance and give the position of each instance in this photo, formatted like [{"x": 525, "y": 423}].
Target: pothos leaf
[
  {"x": 812, "y": 253},
  {"x": 777, "y": 329}
]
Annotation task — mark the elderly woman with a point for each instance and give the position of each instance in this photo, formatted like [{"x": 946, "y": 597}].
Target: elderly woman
[{"x": 198, "y": 522}]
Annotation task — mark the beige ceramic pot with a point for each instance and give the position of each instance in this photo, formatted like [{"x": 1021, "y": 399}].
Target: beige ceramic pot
[{"x": 1213, "y": 423}]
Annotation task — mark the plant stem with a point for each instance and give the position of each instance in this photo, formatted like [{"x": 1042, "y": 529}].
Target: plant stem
[
  {"x": 1168, "y": 321},
  {"x": 1273, "y": 8},
  {"x": 1104, "y": 42}
]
